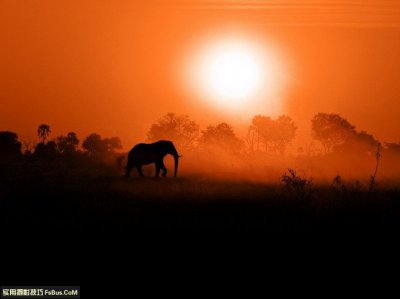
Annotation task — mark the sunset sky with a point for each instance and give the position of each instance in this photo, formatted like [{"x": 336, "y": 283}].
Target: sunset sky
[{"x": 114, "y": 67}]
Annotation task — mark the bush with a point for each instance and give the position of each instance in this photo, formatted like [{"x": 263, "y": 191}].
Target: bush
[{"x": 297, "y": 185}]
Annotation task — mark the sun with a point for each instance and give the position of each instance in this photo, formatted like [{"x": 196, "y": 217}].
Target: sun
[
  {"x": 236, "y": 73},
  {"x": 233, "y": 72}
]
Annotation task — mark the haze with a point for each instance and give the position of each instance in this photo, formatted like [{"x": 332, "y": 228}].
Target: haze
[{"x": 112, "y": 67}]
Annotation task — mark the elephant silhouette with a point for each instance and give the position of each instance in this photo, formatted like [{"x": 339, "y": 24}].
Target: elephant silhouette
[{"x": 148, "y": 153}]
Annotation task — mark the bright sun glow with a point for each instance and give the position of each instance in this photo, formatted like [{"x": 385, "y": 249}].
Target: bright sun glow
[
  {"x": 233, "y": 72},
  {"x": 236, "y": 74}
]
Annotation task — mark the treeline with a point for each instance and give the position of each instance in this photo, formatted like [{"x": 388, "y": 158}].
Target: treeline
[
  {"x": 333, "y": 133},
  {"x": 336, "y": 141},
  {"x": 93, "y": 148},
  {"x": 338, "y": 148}
]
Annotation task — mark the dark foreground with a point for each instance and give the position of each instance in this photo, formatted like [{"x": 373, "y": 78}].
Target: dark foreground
[{"x": 46, "y": 200}]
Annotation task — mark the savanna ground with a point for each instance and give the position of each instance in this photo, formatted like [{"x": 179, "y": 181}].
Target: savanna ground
[
  {"x": 52, "y": 197},
  {"x": 223, "y": 184}
]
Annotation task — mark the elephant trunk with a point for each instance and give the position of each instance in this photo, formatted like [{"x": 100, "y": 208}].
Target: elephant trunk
[{"x": 176, "y": 158}]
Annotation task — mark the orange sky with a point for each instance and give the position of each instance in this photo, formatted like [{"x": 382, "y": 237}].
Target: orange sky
[{"x": 110, "y": 66}]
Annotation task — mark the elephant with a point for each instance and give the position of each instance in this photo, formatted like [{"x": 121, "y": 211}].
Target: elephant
[{"x": 147, "y": 153}]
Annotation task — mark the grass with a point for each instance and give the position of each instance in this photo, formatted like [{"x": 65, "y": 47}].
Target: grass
[{"x": 46, "y": 198}]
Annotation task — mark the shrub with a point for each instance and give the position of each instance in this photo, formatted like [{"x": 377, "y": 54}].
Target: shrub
[{"x": 297, "y": 185}]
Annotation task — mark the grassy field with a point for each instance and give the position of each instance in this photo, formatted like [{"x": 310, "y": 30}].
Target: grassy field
[{"x": 44, "y": 198}]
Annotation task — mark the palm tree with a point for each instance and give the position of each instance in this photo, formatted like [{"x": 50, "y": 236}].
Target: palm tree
[{"x": 43, "y": 132}]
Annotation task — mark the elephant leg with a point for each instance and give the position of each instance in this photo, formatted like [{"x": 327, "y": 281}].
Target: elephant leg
[
  {"x": 128, "y": 170},
  {"x": 158, "y": 168},
  {"x": 140, "y": 171},
  {"x": 164, "y": 169}
]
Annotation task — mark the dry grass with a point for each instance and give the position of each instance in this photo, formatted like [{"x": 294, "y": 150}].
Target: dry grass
[{"x": 93, "y": 200}]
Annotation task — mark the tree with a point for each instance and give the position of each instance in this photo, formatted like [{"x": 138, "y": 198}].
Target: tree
[
  {"x": 67, "y": 144},
  {"x": 46, "y": 150},
  {"x": 393, "y": 148},
  {"x": 331, "y": 130},
  {"x": 95, "y": 145},
  {"x": 274, "y": 134},
  {"x": 180, "y": 129},
  {"x": 28, "y": 147},
  {"x": 43, "y": 132},
  {"x": 222, "y": 136},
  {"x": 362, "y": 141},
  {"x": 112, "y": 144},
  {"x": 10, "y": 147},
  {"x": 259, "y": 131},
  {"x": 358, "y": 143}
]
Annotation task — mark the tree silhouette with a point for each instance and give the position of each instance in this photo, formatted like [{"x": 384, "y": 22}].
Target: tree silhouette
[
  {"x": 358, "y": 142},
  {"x": 222, "y": 136},
  {"x": 67, "y": 144},
  {"x": 46, "y": 150},
  {"x": 112, "y": 144},
  {"x": 43, "y": 132},
  {"x": 275, "y": 135},
  {"x": 180, "y": 129},
  {"x": 10, "y": 147},
  {"x": 28, "y": 147},
  {"x": 95, "y": 145},
  {"x": 331, "y": 130},
  {"x": 392, "y": 148}
]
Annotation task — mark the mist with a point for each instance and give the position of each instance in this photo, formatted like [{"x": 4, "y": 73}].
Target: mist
[{"x": 337, "y": 150}]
